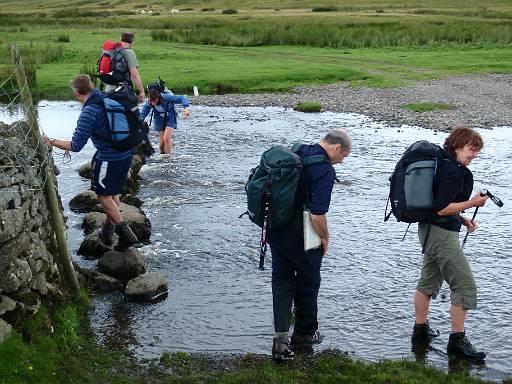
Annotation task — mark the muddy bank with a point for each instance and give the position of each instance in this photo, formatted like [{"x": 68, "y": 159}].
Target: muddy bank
[{"x": 480, "y": 101}]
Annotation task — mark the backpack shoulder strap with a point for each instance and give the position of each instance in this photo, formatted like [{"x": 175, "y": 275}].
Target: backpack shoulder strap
[
  {"x": 98, "y": 100},
  {"x": 295, "y": 147},
  {"x": 309, "y": 160},
  {"x": 316, "y": 159}
]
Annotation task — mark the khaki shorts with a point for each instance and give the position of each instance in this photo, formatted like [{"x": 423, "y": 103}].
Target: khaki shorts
[{"x": 445, "y": 260}]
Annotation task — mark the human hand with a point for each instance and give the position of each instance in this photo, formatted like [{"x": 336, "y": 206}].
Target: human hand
[
  {"x": 142, "y": 96},
  {"x": 478, "y": 200},
  {"x": 325, "y": 246},
  {"x": 186, "y": 113},
  {"x": 47, "y": 140},
  {"x": 471, "y": 225}
]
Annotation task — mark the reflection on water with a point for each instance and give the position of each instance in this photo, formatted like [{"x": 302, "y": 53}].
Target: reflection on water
[{"x": 219, "y": 301}]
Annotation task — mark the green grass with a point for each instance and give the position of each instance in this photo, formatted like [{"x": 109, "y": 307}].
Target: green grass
[
  {"x": 385, "y": 43},
  {"x": 308, "y": 106},
  {"x": 217, "y": 69},
  {"x": 59, "y": 347},
  {"x": 428, "y": 107}
]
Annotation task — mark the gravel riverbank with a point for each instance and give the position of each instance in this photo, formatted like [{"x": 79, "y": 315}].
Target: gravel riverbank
[{"x": 481, "y": 101}]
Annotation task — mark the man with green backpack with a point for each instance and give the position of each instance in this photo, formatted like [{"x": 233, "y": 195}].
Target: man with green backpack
[{"x": 295, "y": 271}]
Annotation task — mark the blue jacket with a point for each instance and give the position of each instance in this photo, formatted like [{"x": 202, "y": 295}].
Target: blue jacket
[
  {"x": 92, "y": 123},
  {"x": 161, "y": 109}
]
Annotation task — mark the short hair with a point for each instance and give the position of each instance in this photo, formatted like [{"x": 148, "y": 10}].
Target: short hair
[
  {"x": 127, "y": 37},
  {"x": 154, "y": 95},
  {"x": 82, "y": 84},
  {"x": 338, "y": 136},
  {"x": 460, "y": 137}
]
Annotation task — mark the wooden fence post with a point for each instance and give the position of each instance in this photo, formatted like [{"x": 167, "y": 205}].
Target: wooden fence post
[{"x": 59, "y": 227}]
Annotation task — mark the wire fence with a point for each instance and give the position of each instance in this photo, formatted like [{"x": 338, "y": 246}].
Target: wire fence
[
  {"x": 20, "y": 131},
  {"x": 27, "y": 156}
]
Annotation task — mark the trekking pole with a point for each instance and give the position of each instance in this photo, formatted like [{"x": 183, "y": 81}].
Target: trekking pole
[
  {"x": 472, "y": 220},
  {"x": 263, "y": 240},
  {"x": 496, "y": 200}
]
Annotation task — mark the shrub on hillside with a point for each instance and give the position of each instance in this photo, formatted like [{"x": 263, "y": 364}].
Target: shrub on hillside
[
  {"x": 324, "y": 9},
  {"x": 62, "y": 38},
  {"x": 229, "y": 11},
  {"x": 308, "y": 106}
]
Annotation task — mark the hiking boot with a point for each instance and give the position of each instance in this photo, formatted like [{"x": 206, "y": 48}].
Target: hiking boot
[
  {"x": 107, "y": 232},
  {"x": 281, "y": 349},
  {"x": 300, "y": 339},
  {"x": 459, "y": 345},
  {"x": 423, "y": 332},
  {"x": 126, "y": 236}
]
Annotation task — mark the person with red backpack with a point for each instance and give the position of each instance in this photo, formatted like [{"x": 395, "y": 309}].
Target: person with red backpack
[{"x": 118, "y": 65}]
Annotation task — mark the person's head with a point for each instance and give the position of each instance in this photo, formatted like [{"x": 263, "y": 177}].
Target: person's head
[
  {"x": 337, "y": 144},
  {"x": 127, "y": 38},
  {"x": 154, "y": 97},
  {"x": 82, "y": 86},
  {"x": 464, "y": 144}
]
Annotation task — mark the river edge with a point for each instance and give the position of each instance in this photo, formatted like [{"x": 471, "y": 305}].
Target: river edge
[
  {"x": 480, "y": 101},
  {"x": 59, "y": 346}
]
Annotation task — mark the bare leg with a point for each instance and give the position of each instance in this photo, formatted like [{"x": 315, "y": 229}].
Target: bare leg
[
  {"x": 458, "y": 315},
  {"x": 110, "y": 207},
  {"x": 161, "y": 144},
  {"x": 421, "y": 307},
  {"x": 167, "y": 139}
]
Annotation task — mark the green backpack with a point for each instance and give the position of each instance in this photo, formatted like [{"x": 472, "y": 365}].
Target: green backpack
[{"x": 272, "y": 185}]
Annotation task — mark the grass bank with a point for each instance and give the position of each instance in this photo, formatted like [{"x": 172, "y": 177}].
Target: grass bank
[
  {"x": 265, "y": 45},
  {"x": 219, "y": 69},
  {"x": 60, "y": 347}
]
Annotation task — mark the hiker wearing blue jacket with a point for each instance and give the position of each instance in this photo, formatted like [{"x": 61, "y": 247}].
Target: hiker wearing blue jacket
[
  {"x": 295, "y": 271},
  {"x": 110, "y": 166},
  {"x": 164, "y": 115}
]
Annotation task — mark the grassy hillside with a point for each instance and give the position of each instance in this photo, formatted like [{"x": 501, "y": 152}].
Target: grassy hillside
[{"x": 265, "y": 45}]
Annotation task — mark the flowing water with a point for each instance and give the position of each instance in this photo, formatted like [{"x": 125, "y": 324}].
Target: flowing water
[{"x": 220, "y": 302}]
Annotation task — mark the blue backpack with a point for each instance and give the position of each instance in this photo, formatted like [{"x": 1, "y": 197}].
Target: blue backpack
[{"x": 125, "y": 126}]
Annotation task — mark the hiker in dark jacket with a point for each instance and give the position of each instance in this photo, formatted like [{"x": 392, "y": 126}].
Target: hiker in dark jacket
[
  {"x": 443, "y": 258},
  {"x": 295, "y": 272},
  {"x": 110, "y": 166},
  {"x": 164, "y": 116}
]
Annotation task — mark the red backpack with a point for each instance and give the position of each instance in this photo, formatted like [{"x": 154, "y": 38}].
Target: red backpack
[{"x": 112, "y": 66}]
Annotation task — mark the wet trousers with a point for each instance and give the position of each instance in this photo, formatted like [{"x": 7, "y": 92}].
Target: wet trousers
[{"x": 295, "y": 279}]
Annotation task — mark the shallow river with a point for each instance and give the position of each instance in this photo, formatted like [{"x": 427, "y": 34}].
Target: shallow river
[{"x": 220, "y": 302}]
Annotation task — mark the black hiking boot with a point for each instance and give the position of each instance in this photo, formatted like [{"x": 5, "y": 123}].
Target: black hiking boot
[
  {"x": 281, "y": 349},
  {"x": 126, "y": 237},
  {"x": 422, "y": 333},
  {"x": 107, "y": 232},
  {"x": 459, "y": 345}
]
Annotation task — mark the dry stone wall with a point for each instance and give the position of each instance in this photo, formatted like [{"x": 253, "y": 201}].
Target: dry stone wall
[{"x": 29, "y": 273}]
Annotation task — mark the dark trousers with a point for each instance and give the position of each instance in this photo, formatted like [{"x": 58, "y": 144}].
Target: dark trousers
[{"x": 295, "y": 279}]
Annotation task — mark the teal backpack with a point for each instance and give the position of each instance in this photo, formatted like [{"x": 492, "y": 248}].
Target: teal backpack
[{"x": 272, "y": 187}]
